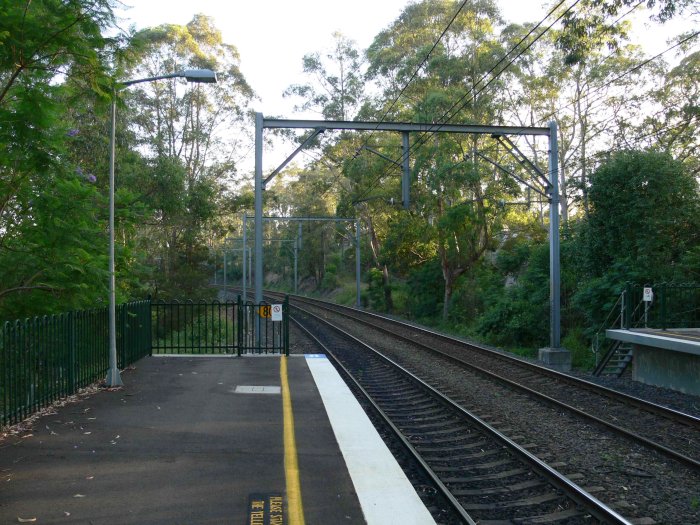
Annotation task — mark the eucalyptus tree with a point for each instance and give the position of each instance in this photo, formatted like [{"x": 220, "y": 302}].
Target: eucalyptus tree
[
  {"x": 192, "y": 134},
  {"x": 451, "y": 186},
  {"x": 337, "y": 87},
  {"x": 673, "y": 125},
  {"x": 51, "y": 254},
  {"x": 586, "y": 97},
  {"x": 590, "y": 15}
]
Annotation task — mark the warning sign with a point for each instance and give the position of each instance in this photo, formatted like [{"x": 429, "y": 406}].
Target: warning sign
[
  {"x": 648, "y": 294},
  {"x": 276, "y": 312},
  {"x": 265, "y": 509},
  {"x": 265, "y": 311}
]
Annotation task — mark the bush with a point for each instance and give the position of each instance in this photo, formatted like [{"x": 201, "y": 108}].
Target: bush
[{"x": 426, "y": 284}]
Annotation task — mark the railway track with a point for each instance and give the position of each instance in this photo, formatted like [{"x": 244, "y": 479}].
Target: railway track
[
  {"x": 486, "y": 477},
  {"x": 667, "y": 431},
  {"x": 638, "y": 457}
]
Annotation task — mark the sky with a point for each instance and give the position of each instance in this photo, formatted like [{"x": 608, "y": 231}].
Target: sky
[{"x": 272, "y": 36}]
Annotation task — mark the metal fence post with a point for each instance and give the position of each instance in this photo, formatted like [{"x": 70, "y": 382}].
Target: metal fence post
[
  {"x": 285, "y": 322},
  {"x": 626, "y": 299},
  {"x": 149, "y": 327},
  {"x": 662, "y": 293},
  {"x": 71, "y": 351},
  {"x": 240, "y": 305},
  {"x": 122, "y": 345}
]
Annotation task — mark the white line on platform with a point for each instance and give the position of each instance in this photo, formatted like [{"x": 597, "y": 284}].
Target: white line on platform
[{"x": 385, "y": 494}]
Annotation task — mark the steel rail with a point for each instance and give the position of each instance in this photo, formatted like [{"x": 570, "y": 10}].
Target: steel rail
[
  {"x": 399, "y": 435},
  {"x": 597, "y": 508},
  {"x": 682, "y": 458},
  {"x": 667, "y": 412}
]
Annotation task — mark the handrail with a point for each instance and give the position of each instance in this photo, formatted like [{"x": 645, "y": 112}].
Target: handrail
[{"x": 595, "y": 344}]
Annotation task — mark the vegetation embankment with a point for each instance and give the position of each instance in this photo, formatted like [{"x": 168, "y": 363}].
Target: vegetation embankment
[{"x": 468, "y": 254}]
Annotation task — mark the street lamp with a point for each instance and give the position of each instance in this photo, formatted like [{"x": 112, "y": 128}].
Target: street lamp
[{"x": 191, "y": 75}]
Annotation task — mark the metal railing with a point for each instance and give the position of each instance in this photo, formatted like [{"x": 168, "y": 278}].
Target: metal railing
[
  {"x": 662, "y": 306},
  {"x": 46, "y": 358},
  {"x": 599, "y": 336},
  {"x": 670, "y": 305},
  {"x": 231, "y": 327}
]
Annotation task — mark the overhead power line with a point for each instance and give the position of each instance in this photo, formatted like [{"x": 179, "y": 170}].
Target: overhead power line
[
  {"x": 415, "y": 73},
  {"x": 424, "y": 137},
  {"x": 620, "y": 76}
]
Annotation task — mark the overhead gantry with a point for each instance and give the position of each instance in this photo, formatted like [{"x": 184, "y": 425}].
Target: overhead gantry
[{"x": 549, "y": 181}]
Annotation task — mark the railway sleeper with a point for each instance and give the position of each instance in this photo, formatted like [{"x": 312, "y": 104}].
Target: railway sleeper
[{"x": 492, "y": 491}]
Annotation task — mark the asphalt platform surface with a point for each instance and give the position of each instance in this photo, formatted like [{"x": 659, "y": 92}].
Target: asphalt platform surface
[{"x": 176, "y": 445}]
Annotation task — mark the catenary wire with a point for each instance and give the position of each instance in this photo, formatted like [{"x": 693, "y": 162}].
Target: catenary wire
[
  {"x": 438, "y": 126},
  {"x": 413, "y": 76}
]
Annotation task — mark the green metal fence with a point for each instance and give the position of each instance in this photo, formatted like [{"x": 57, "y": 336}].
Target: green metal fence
[
  {"x": 670, "y": 305},
  {"x": 46, "y": 358},
  {"x": 232, "y": 327}
]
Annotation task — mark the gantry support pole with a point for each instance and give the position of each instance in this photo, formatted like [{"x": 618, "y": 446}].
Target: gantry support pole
[
  {"x": 245, "y": 246},
  {"x": 258, "y": 210},
  {"x": 258, "y": 220},
  {"x": 296, "y": 265},
  {"x": 406, "y": 172},
  {"x": 357, "y": 263},
  {"x": 554, "y": 262}
]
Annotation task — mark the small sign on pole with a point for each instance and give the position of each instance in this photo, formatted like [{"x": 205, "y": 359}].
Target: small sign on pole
[
  {"x": 648, "y": 295},
  {"x": 264, "y": 311},
  {"x": 276, "y": 312}
]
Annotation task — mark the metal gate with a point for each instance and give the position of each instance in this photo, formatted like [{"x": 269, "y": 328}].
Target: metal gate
[{"x": 231, "y": 327}]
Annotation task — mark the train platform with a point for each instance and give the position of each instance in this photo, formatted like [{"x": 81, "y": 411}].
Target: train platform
[
  {"x": 240, "y": 440},
  {"x": 665, "y": 358}
]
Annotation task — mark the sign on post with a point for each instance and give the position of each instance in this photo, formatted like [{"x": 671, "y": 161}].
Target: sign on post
[
  {"x": 647, "y": 294},
  {"x": 276, "y": 312},
  {"x": 265, "y": 311}
]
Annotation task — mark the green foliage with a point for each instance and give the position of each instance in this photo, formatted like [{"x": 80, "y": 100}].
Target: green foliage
[
  {"x": 578, "y": 343},
  {"x": 375, "y": 289},
  {"x": 426, "y": 285},
  {"x": 202, "y": 330},
  {"x": 581, "y": 23},
  {"x": 409, "y": 242},
  {"x": 330, "y": 277},
  {"x": 519, "y": 314},
  {"x": 52, "y": 240},
  {"x": 644, "y": 215}
]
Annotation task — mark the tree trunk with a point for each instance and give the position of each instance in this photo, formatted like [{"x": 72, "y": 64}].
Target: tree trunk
[
  {"x": 449, "y": 289},
  {"x": 374, "y": 244}
]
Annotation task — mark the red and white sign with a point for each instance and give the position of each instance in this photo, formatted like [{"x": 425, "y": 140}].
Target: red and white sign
[{"x": 276, "y": 312}]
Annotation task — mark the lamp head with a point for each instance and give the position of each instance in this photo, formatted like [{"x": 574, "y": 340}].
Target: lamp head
[{"x": 206, "y": 76}]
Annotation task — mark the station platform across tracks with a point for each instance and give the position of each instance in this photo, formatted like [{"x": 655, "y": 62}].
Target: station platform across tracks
[{"x": 256, "y": 440}]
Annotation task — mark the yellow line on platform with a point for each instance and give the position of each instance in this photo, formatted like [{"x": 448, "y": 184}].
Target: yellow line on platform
[{"x": 291, "y": 465}]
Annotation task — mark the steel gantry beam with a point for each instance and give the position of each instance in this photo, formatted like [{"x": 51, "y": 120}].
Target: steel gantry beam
[
  {"x": 276, "y": 123},
  {"x": 554, "y": 354}
]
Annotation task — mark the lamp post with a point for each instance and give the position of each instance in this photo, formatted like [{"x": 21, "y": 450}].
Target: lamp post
[{"x": 191, "y": 75}]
